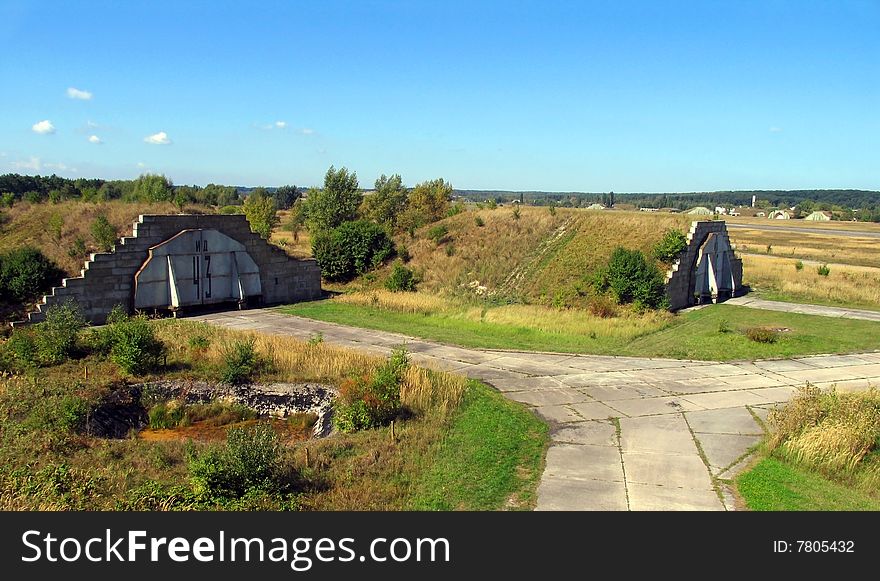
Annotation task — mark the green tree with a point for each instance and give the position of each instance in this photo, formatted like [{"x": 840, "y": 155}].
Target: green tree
[
  {"x": 336, "y": 203},
  {"x": 259, "y": 208},
  {"x": 427, "y": 202},
  {"x": 632, "y": 279},
  {"x": 152, "y": 188},
  {"x": 670, "y": 246},
  {"x": 104, "y": 233},
  {"x": 296, "y": 220},
  {"x": 351, "y": 249},
  {"x": 285, "y": 196},
  {"x": 55, "y": 226},
  {"x": 385, "y": 205}
]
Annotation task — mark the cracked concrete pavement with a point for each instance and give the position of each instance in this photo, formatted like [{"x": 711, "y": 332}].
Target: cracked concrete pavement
[{"x": 628, "y": 433}]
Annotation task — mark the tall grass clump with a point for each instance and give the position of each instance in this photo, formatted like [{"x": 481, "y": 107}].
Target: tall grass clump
[
  {"x": 836, "y": 433},
  {"x": 371, "y": 400},
  {"x": 240, "y": 361}
]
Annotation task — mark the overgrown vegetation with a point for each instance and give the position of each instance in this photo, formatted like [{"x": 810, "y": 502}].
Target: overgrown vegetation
[
  {"x": 26, "y": 273},
  {"x": 351, "y": 249},
  {"x": 823, "y": 453},
  {"x": 401, "y": 279},
  {"x": 631, "y": 278},
  {"x": 670, "y": 246},
  {"x": 371, "y": 400}
]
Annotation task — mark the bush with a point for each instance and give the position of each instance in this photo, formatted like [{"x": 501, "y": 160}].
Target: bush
[
  {"x": 78, "y": 248},
  {"x": 133, "y": 345},
  {"x": 823, "y": 270},
  {"x": 56, "y": 336},
  {"x": 351, "y": 249},
  {"x": 366, "y": 402},
  {"x": 516, "y": 212},
  {"x": 438, "y": 233},
  {"x": 26, "y": 273},
  {"x": 798, "y": 265},
  {"x": 403, "y": 253},
  {"x": 724, "y": 326},
  {"x": 401, "y": 279},
  {"x": 228, "y": 210},
  {"x": 479, "y": 222},
  {"x": 7, "y": 200},
  {"x": 240, "y": 361},
  {"x": 670, "y": 246},
  {"x": 251, "y": 460},
  {"x": 762, "y": 334},
  {"x": 104, "y": 233},
  {"x": 632, "y": 279},
  {"x": 552, "y": 210}
]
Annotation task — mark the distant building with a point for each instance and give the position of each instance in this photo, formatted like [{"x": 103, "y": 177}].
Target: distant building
[
  {"x": 720, "y": 210},
  {"x": 700, "y": 211},
  {"x": 780, "y": 215},
  {"x": 819, "y": 216}
]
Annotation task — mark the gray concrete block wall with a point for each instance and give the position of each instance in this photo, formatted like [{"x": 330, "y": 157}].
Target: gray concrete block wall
[
  {"x": 107, "y": 279},
  {"x": 680, "y": 283}
]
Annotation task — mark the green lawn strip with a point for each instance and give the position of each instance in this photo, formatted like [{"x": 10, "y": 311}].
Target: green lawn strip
[
  {"x": 452, "y": 330},
  {"x": 700, "y": 338},
  {"x": 696, "y": 336},
  {"x": 491, "y": 458},
  {"x": 778, "y": 485}
]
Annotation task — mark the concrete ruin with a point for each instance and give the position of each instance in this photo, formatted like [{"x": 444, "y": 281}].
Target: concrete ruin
[
  {"x": 707, "y": 270},
  {"x": 175, "y": 262}
]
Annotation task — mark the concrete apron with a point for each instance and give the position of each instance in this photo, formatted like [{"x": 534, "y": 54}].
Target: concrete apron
[{"x": 627, "y": 433}]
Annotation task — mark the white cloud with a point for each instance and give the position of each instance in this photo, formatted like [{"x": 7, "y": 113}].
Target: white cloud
[
  {"x": 306, "y": 131},
  {"x": 281, "y": 124},
  {"x": 160, "y": 138},
  {"x": 79, "y": 94},
  {"x": 95, "y": 139},
  {"x": 43, "y": 127},
  {"x": 33, "y": 163},
  {"x": 775, "y": 129},
  {"x": 141, "y": 164}
]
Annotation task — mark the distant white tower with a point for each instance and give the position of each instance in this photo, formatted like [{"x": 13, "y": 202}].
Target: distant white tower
[{"x": 754, "y": 199}]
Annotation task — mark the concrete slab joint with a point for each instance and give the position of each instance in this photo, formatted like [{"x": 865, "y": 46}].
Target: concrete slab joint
[{"x": 108, "y": 279}]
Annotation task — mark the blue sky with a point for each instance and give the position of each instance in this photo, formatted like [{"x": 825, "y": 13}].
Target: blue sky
[{"x": 559, "y": 96}]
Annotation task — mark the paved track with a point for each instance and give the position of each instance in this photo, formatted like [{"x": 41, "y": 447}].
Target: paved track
[{"x": 627, "y": 433}]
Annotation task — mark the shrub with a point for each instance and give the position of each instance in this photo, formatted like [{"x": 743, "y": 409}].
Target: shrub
[
  {"x": 316, "y": 339},
  {"x": 552, "y": 210},
  {"x": 632, "y": 279},
  {"x": 55, "y": 226},
  {"x": 104, "y": 233},
  {"x": 228, "y": 210},
  {"x": 491, "y": 203},
  {"x": 401, "y": 279},
  {"x": 78, "y": 248},
  {"x": 366, "y": 401},
  {"x": 240, "y": 361},
  {"x": 762, "y": 334},
  {"x": 403, "y": 253},
  {"x": 21, "y": 348},
  {"x": 7, "y": 200},
  {"x": 455, "y": 210},
  {"x": 670, "y": 246},
  {"x": 450, "y": 250},
  {"x": 133, "y": 345},
  {"x": 25, "y": 273},
  {"x": 251, "y": 460},
  {"x": 438, "y": 234},
  {"x": 823, "y": 270},
  {"x": 798, "y": 265},
  {"x": 516, "y": 212},
  {"x": 56, "y": 336},
  {"x": 479, "y": 222},
  {"x": 724, "y": 326},
  {"x": 351, "y": 249},
  {"x": 199, "y": 343}
]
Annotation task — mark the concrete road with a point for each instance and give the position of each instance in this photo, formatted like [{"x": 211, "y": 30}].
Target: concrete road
[
  {"x": 754, "y": 302},
  {"x": 627, "y": 433}
]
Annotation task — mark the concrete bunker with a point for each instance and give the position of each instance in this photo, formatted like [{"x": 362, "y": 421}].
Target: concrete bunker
[
  {"x": 186, "y": 260},
  {"x": 707, "y": 271}
]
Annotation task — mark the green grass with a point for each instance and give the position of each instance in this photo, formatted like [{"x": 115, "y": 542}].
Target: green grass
[
  {"x": 492, "y": 457},
  {"x": 695, "y": 336},
  {"x": 777, "y": 485}
]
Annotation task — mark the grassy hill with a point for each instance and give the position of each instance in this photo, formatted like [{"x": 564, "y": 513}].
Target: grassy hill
[
  {"x": 29, "y": 224},
  {"x": 538, "y": 258}
]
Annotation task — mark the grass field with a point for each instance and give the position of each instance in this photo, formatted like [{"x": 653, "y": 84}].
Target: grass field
[
  {"x": 777, "y": 485},
  {"x": 712, "y": 333},
  {"x": 462, "y": 446},
  {"x": 827, "y": 246}
]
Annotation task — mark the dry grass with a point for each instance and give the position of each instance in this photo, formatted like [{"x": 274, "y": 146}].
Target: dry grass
[
  {"x": 420, "y": 302},
  {"x": 290, "y": 359},
  {"x": 836, "y": 433},
  {"x": 299, "y": 248},
  {"x": 829, "y": 247},
  {"x": 850, "y": 285},
  {"x": 26, "y": 224}
]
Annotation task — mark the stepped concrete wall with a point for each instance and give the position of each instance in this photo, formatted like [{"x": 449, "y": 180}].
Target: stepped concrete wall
[
  {"x": 107, "y": 279},
  {"x": 681, "y": 278}
]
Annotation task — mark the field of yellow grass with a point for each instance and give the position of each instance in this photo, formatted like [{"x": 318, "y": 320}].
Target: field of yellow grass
[
  {"x": 824, "y": 247},
  {"x": 844, "y": 285}
]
